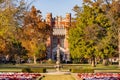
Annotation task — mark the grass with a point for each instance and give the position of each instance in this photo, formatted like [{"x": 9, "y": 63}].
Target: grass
[
  {"x": 10, "y": 70},
  {"x": 98, "y": 67},
  {"x": 58, "y": 77}
]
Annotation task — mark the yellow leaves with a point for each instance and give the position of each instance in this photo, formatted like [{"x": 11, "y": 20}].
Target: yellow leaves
[
  {"x": 7, "y": 22},
  {"x": 3, "y": 20},
  {"x": 3, "y": 31},
  {"x": 105, "y": 51},
  {"x": 25, "y": 44},
  {"x": 31, "y": 46}
]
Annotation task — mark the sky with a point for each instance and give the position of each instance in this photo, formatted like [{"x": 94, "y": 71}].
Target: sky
[{"x": 56, "y": 7}]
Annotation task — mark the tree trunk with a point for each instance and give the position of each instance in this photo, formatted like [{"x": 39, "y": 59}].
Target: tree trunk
[
  {"x": 93, "y": 62},
  {"x": 35, "y": 59}
]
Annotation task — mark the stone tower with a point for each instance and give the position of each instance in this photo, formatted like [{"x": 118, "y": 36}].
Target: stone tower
[{"x": 59, "y": 35}]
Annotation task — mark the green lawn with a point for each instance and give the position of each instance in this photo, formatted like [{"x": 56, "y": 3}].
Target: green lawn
[
  {"x": 58, "y": 77},
  {"x": 98, "y": 66},
  {"x": 10, "y": 70}
]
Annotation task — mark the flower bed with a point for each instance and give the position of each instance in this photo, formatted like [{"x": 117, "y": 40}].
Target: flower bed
[
  {"x": 99, "y": 76},
  {"x": 19, "y": 76}
]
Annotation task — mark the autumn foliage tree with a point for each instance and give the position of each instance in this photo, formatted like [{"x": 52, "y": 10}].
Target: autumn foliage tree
[
  {"x": 35, "y": 33},
  {"x": 16, "y": 36},
  {"x": 11, "y": 16},
  {"x": 7, "y": 26}
]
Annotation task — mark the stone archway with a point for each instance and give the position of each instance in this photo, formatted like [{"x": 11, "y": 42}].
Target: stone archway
[{"x": 62, "y": 53}]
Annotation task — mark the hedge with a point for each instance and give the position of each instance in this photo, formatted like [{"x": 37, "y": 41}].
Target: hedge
[
  {"x": 34, "y": 70},
  {"x": 38, "y": 70},
  {"x": 26, "y": 70},
  {"x": 82, "y": 70}
]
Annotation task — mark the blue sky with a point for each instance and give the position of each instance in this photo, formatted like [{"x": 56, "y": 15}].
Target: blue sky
[{"x": 56, "y": 7}]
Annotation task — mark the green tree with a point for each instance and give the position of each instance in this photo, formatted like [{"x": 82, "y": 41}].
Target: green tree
[
  {"x": 93, "y": 28},
  {"x": 17, "y": 50},
  {"x": 113, "y": 10}
]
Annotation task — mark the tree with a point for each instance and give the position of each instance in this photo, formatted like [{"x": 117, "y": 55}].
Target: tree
[
  {"x": 11, "y": 16},
  {"x": 93, "y": 28},
  {"x": 7, "y": 26},
  {"x": 35, "y": 33},
  {"x": 17, "y": 50},
  {"x": 114, "y": 12}
]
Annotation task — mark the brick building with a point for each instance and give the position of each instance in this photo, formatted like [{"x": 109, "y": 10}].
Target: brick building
[{"x": 58, "y": 36}]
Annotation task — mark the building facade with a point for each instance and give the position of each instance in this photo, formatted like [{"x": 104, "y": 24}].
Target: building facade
[{"x": 58, "y": 36}]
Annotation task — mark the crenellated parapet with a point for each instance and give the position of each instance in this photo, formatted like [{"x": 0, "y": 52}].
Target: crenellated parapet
[{"x": 58, "y": 21}]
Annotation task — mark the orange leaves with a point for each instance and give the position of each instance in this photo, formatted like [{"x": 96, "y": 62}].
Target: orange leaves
[
  {"x": 33, "y": 12},
  {"x": 86, "y": 1}
]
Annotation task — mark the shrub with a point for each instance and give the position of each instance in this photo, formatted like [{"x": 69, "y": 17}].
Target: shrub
[
  {"x": 82, "y": 70},
  {"x": 26, "y": 70},
  {"x": 115, "y": 63},
  {"x": 38, "y": 70},
  {"x": 34, "y": 70}
]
